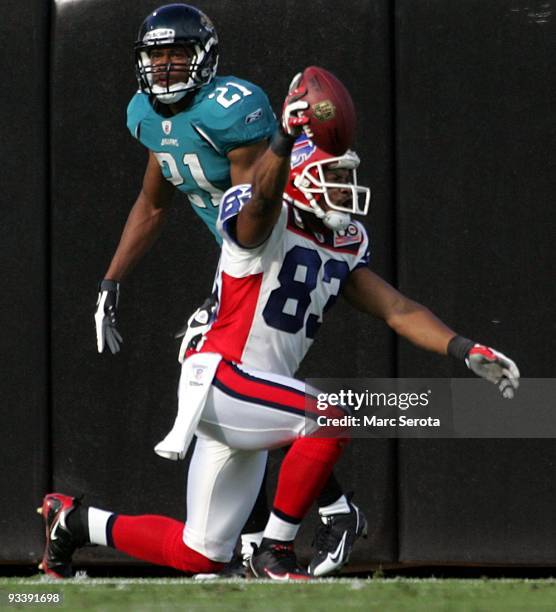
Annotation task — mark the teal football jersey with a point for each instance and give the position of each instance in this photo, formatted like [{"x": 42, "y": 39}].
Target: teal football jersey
[{"x": 191, "y": 147}]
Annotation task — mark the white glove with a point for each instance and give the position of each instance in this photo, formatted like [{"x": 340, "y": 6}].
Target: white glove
[
  {"x": 293, "y": 118},
  {"x": 197, "y": 325},
  {"x": 105, "y": 316},
  {"x": 495, "y": 367}
]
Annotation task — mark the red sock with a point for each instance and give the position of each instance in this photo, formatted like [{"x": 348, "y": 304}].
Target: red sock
[
  {"x": 159, "y": 540},
  {"x": 304, "y": 472}
]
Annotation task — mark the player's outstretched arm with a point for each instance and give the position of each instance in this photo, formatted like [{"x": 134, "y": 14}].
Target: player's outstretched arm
[
  {"x": 367, "y": 292},
  {"x": 141, "y": 230},
  {"x": 258, "y": 216}
]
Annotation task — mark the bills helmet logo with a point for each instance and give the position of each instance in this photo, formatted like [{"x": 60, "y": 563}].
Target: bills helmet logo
[{"x": 302, "y": 151}]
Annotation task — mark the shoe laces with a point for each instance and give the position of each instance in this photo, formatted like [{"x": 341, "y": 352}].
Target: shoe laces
[
  {"x": 324, "y": 537},
  {"x": 282, "y": 550},
  {"x": 285, "y": 554}
]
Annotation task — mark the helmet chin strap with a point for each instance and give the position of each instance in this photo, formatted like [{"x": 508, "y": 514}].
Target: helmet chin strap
[
  {"x": 166, "y": 95},
  {"x": 336, "y": 220},
  {"x": 332, "y": 219}
]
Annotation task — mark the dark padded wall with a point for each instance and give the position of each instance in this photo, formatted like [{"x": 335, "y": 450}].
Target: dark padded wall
[
  {"x": 477, "y": 501},
  {"x": 475, "y": 229},
  {"x": 23, "y": 307},
  {"x": 110, "y": 411}
]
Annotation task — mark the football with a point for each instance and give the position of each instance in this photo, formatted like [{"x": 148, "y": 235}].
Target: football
[{"x": 331, "y": 111}]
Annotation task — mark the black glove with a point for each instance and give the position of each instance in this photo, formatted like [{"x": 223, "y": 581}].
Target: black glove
[{"x": 105, "y": 316}]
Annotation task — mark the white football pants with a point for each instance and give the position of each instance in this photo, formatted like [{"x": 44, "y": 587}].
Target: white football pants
[{"x": 246, "y": 413}]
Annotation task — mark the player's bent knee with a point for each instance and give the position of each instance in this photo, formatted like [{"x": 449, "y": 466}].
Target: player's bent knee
[
  {"x": 186, "y": 559},
  {"x": 193, "y": 562}
]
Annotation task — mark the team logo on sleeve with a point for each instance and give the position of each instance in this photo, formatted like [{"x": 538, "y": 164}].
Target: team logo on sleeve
[
  {"x": 234, "y": 200},
  {"x": 254, "y": 116}
]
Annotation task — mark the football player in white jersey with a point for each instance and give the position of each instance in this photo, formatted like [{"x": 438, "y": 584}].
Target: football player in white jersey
[
  {"x": 284, "y": 260},
  {"x": 204, "y": 133}
]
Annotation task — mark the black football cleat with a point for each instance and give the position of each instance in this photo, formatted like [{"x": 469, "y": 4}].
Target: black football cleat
[
  {"x": 277, "y": 562},
  {"x": 334, "y": 540},
  {"x": 233, "y": 569},
  {"x": 60, "y": 543}
]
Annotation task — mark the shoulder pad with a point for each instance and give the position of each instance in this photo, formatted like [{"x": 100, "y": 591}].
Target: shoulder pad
[
  {"x": 137, "y": 109},
  {"x": 235, "y": 113}
]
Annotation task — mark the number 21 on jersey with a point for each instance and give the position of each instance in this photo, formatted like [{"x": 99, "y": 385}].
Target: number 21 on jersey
[
  {"x": 226, "y": 97},
  {"x": 191, "y": 160}
]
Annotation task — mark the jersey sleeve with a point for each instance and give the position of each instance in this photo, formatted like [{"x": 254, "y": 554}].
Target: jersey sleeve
[
  {"x": 363, "y": 257},
  {"x": 240, "y": 114},
  {"x": 137, "y": 110},
  {"x": 240, "y": 260},
  {"x": 232, "y": 202}
]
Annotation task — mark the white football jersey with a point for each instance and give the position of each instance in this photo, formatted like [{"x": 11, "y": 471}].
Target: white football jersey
[{"x": 271, "y": 299}]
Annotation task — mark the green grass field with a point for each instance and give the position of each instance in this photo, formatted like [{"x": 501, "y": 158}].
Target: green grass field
[{"x": 338, "y": 595}]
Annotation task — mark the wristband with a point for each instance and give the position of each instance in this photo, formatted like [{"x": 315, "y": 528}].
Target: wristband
[
  {"x": 281, "y": 144},
  {"x": 459, "y": 347},
  {"x": 108, "y": 285}
]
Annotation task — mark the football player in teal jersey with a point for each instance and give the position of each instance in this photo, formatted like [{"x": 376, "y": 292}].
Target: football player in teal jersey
[{"x": 204, "y": 134}]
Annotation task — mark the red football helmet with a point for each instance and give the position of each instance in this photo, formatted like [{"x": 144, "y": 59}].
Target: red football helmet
[{"x": 307, "y": 186}]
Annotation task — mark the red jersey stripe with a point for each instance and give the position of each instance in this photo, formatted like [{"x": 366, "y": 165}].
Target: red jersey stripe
[{"x": 238, "y": 301}]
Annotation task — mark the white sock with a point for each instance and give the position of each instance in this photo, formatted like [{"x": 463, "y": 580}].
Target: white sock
[
  {"x": 247, "y": 540},
  {"x": 98, "y": 520},
  {"x": 340, "y": 506},
  {"x": 278, "y": 529}
]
